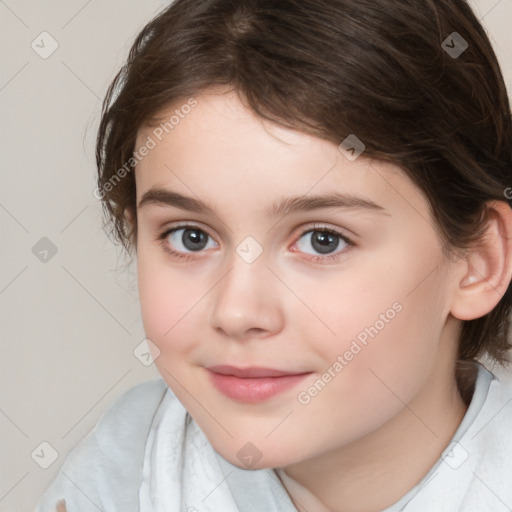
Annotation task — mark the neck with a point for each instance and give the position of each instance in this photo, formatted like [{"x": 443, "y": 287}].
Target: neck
[{"x": 375, "y": 471}]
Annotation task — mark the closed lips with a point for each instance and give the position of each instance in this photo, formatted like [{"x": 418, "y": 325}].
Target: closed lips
[{"x": 252, "y": 372}]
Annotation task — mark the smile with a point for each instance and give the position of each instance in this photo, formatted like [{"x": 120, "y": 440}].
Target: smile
[{"x": 259, "y": 383}]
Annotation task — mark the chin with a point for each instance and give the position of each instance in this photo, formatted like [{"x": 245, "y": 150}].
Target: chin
[{"x": 248, "y": 456}]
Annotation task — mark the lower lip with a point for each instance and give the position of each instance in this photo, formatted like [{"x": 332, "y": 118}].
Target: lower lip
[{"x": 254, "y": 390}]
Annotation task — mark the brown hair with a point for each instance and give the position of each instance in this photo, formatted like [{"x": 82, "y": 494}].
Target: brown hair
[{"x": 384, "y": 70}]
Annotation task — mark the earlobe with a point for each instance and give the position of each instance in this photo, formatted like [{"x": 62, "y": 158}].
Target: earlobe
[{"x": 488, "y": 266}]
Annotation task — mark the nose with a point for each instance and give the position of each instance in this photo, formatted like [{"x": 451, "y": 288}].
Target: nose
[{"x": 247, "y": 301}]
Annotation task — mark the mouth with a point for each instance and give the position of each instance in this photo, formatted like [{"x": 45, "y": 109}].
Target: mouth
[{"x": 253, "y": 384}]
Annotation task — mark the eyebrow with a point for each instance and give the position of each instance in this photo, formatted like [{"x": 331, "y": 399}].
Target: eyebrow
[{"x": 163, "y": 197}]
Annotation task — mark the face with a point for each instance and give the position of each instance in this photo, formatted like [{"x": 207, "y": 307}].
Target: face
[{"x": 350, "y": 294}]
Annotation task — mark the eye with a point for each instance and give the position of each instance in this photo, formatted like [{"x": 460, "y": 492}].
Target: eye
[
  {"x": 181, "y": 242},
  {"x": 185, "y": 239},
  {"x": 324, "y": 242}
]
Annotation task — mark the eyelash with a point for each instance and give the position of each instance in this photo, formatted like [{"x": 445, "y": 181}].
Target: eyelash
[{"x": 317, "y": 227}]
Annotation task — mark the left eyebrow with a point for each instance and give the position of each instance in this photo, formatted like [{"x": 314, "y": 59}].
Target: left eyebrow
[
  {"x": 285, "y": 206},
  {"x": 290, "y": 205}
]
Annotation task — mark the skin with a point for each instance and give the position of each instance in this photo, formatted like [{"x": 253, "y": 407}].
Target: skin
[{"x": 378, "y": 426}]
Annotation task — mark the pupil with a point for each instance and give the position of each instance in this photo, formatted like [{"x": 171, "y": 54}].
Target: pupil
[
  {"x": 324, "y": 242},
  {"x": 193, "y": 239}
]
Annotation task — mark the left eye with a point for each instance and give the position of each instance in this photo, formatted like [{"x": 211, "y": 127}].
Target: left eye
[{"x": 323, "y": 241}]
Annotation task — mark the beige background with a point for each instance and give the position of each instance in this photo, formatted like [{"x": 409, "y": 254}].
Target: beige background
[{"x": 70, "y": 325}]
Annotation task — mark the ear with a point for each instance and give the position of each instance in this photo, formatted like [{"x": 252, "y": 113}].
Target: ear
[
  {"x": 131, "y": 222},
  {"x": 487, "y": 268},
  {"x": 129, "y": 217}
]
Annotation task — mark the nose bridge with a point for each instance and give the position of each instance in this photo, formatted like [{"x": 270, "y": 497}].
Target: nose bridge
[
  {"x": 245, "y": 298},
  {"x": 248, "y": 266}
]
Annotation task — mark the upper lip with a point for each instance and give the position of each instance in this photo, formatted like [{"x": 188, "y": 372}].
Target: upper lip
[{"x": 251, "y": 372}]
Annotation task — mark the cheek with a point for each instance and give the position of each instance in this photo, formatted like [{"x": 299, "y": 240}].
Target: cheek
[
  {"x": 386, "y": 319},
  {"x": 167, "y": 301},
  {"x": 370, "y": 372}
]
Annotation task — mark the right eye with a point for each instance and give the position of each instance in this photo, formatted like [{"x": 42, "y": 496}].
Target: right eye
[{"x": 184, "y": 240}]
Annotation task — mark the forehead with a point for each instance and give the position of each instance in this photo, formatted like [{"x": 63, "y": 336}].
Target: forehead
[
  {"x": 221, "y": 150},
  {"x": 222, "y": 115}
]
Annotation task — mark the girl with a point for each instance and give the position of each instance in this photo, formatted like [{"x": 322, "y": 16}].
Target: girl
[{"x": 317, "y": 195}]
